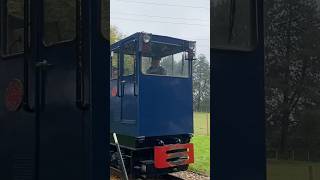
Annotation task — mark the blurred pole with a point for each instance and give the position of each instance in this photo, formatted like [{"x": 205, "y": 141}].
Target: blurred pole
[
  {"x": 208, "y": 124},
  {"x": 292, "y": 154}
]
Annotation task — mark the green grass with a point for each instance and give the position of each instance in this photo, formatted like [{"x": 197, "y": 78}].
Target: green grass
[
  {"x": 201, "y": 141},
  {"x": 201, "y": 123},
  {"x": 292, "y": 170},
  {"x": 202, "y": 155}
]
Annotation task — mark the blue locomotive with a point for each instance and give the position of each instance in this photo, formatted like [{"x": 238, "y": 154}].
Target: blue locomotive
[{"x": 151, "y": 103}]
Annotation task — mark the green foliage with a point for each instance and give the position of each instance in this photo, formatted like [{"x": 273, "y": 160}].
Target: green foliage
[
  {"x": 201, "y": 84},
  {"x": 292, "y": 35},
  {"x": 202, "y": 155},
  {"x": 115, "y": 34},
  {"x": 129, "y": 61},
  {"x": 308, "y": 130},
  {"x": 129, "y": 56}
]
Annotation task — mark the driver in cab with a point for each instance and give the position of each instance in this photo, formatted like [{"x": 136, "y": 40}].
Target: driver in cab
[{"x": 156, "y": 68}]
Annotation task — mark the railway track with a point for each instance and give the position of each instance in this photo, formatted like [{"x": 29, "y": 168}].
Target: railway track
[
  {"x": 170, "y": 177},
  {"x": 116, "y": 175}
]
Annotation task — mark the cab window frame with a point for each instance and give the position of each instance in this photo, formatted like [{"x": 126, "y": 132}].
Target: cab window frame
[
  {"x": 122, "y": 57},
  {"x": 188, "y": 74}
]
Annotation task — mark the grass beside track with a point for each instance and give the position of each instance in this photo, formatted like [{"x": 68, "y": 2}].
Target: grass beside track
[
  {"x": 201, "y": 141},
  {"x": 202, "y": 155},
  {"x": 292, "y": 170},
  {"x": 276, "y": 169}
]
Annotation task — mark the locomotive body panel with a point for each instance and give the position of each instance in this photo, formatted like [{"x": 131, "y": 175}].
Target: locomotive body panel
[
  {"x": 124, "y": 109},
  {"x": 165, "y": 106}
]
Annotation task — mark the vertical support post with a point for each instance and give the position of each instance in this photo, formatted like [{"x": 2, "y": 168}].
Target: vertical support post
[{"x": 293, "y": 155}]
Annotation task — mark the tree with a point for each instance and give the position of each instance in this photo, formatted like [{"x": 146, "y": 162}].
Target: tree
[
  {"x": 292, "y": 64},
  {"x": 309, "y": 128},
  {"x": 115, "y": 34},
  {"x": 129, "y": 51},
  {"x": 201, "y": 83}
]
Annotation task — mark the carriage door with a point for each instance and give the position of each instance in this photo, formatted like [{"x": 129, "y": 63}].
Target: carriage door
[
  {"x": 58, "y": 116},
  {"x": 238, "y": 89},
  {"x": 128, "y": 82}
]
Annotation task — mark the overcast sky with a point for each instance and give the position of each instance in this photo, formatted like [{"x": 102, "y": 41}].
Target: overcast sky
[{"x": 185, "y": 19}]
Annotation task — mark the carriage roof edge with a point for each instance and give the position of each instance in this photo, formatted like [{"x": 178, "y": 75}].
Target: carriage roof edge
[{"x": 155, "y": 37}]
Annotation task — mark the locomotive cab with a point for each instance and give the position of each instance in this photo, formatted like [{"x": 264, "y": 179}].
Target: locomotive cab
[{"x": 151, "y": 101}]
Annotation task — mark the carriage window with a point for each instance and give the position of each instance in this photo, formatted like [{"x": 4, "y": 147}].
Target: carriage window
[
  {"x": 173, "y": 65},
  {"x": 12, "y": 36},
  {"x": 105, "y": 18},
  {"x": 234, "y": 24},
  {"x": 60, "y": 21},
  {"x": 114, "y": 65},
  {"x": 129, "y": 55}
]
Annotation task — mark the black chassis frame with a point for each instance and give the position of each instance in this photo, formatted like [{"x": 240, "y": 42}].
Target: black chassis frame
[{"x": 138, "y": 154}]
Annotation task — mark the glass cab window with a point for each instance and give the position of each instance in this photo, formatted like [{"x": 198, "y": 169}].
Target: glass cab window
[
  {"x": 234, "y": 24},
  {"x": 105, "y": 19},
  {"x": 165, "y": 60},
  {"x": 12, "y": 32},
  {"x": 115, "y": 64},
  {"x": 129, "y": 55},
  {"x": 59, "y": 21}
]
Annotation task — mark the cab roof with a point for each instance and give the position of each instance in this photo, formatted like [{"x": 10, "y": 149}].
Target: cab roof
[{"x": 154, "y": 38}]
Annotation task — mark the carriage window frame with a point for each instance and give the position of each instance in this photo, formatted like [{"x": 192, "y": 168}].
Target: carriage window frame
[
  {"x": 254, "y": 35},
  {"x": 4, "y": 28},
  {"x": 74, "y": 35},
  {"x": 118, "y": 65}
]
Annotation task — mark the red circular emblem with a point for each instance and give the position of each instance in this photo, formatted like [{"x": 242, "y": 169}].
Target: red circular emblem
[
  {"x": 14, "y": 95},
  {"x": 114, "y": 91}
]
